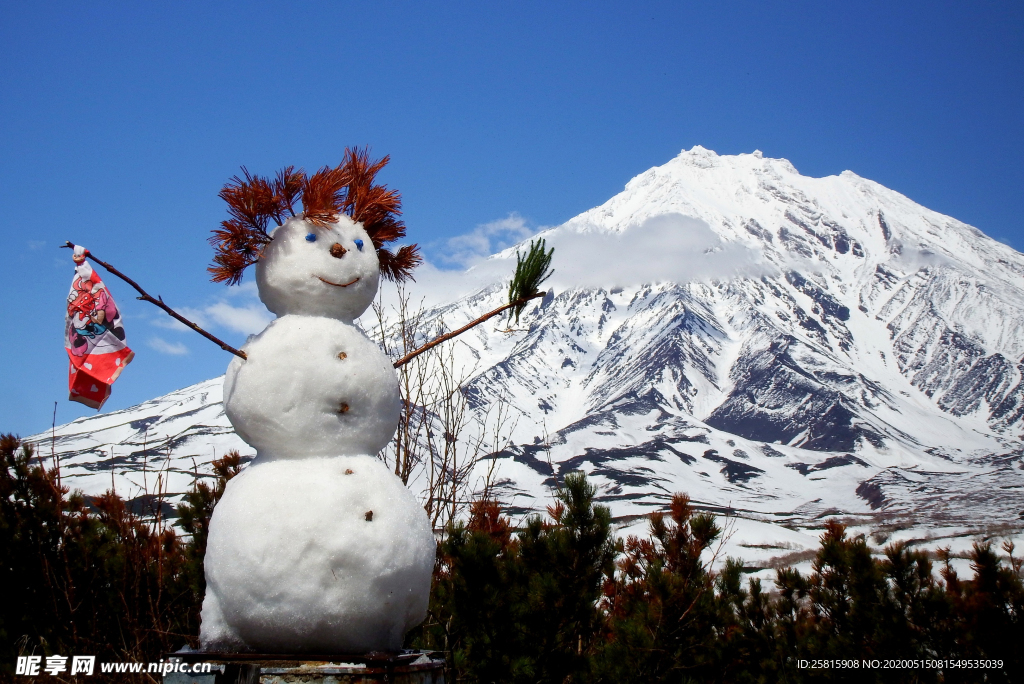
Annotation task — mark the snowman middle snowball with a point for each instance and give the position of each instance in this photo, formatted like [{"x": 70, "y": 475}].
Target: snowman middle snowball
[{"x": 314, "y": 388}]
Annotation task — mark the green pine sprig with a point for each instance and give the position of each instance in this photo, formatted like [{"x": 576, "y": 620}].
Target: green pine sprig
[{"x": 531, "y": 271}]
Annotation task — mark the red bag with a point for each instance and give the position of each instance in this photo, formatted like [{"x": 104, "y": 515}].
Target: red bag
[{"x": 93, "y": 337}]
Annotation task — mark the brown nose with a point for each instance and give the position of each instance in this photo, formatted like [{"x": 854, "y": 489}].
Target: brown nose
[{"x": 337, "y": 251}]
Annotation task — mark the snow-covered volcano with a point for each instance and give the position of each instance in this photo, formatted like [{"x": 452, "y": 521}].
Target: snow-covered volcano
[{"x": 781, "y": 346}]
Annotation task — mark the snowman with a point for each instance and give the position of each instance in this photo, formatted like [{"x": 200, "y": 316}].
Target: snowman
[{"x": 316, "y": 546}]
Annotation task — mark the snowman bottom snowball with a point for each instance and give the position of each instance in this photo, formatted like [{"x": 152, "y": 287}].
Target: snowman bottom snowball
[{"x": 326, "y": 555}]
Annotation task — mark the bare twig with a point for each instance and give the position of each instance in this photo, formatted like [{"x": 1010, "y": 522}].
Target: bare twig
[
  {"x": 158, "y": 301},
  {"x": 440, "y": 439},
  {"x": 53, "y": 444},
  {"x": 447, "y": 336}
]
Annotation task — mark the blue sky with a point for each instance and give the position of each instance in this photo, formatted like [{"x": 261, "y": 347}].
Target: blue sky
[{"x": 119, "y": 122}]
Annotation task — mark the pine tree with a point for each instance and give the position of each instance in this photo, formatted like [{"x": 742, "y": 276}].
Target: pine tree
[
  {"x": 522, "y": 608},
  {"x": 662, "y": 604}
]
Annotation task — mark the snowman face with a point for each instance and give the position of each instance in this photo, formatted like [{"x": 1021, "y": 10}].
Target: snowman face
[{"x": 313, "y": 271}]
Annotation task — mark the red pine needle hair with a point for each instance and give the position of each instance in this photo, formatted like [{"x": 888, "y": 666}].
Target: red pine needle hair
[{"x": 253, "y": 202}]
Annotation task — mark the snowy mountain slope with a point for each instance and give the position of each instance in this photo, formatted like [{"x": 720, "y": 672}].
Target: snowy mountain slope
[{"x": 775, "y": 345}]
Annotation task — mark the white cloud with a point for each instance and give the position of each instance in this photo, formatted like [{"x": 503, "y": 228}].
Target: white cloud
[
  {"x": 463, "y": 251},
  {"x": 36, "y": 245},
  {"x": 165, "y": 347},
  {"x": 162, "y": 320},
  {"x": 249, "y": 319},
  {"x": 246, "y": 289},
  {"x": 664, "y": 248}
]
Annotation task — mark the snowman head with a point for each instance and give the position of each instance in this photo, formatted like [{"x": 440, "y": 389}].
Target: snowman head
[
  {"x": 323, "y": 258},
  {"x": 329, "y": 270}
]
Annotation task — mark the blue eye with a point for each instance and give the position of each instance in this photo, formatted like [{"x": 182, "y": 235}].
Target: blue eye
[
  {"x": 311, "y": 237},
  {"x": 359, "y": 245}
]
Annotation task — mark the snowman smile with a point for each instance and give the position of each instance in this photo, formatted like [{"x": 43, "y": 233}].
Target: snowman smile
[{"x": 352, "y": 282}]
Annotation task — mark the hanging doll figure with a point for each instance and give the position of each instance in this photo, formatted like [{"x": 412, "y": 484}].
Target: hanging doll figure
[{"x": 93, "y": 336}]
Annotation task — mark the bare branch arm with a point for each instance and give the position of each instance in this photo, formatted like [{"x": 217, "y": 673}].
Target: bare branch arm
[
  {"x": 447, "y": 336},
  {"x": 145, "y": 296}
]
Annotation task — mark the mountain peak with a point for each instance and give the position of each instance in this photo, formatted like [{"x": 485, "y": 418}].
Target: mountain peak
[{"x": 700, "y": 157}]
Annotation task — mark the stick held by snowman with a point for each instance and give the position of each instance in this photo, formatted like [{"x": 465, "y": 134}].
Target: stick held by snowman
[{"x": 317, "y": 547}]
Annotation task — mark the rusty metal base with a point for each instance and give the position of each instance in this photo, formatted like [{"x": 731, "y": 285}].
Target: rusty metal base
[{"x": 404, "y": 667}]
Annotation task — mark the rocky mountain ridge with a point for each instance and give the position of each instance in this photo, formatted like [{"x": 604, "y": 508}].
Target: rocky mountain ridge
[{"x": 779, "y": 346}]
